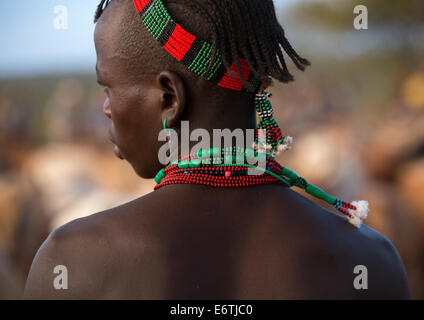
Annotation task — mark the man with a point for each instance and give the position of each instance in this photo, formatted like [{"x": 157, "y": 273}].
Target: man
[{"x": 191, "y": 241}]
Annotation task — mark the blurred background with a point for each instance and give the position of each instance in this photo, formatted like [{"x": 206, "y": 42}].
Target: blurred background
[{"x": 357, "y": 116}]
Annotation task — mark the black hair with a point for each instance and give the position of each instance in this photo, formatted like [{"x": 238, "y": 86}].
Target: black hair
[{"x": 243, "y": 29}]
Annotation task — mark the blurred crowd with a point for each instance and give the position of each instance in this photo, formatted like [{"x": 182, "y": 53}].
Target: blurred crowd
[{"x": 358, "y": 125}]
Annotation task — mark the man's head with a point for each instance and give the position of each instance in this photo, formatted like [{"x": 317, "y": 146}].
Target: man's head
[{"x": 144, "y": 84}]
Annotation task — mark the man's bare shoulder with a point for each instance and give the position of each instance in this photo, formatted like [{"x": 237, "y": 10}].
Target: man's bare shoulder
[
  {"x": 87, "y": 247},
  {"x": 70, "y": 249},
  {"x": 96, "y": 249},
  {"x": 387, "y": 266},
  {"x": 357, "y": 248},
  {"x": 97, "y": 228},
  {"x": 335, "y": 246}
]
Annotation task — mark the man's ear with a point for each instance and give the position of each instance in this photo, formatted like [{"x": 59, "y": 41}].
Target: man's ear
[{"x": 173, "y": 96}]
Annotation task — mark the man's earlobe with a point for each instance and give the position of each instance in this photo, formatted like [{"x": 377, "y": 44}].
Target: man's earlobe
[{"x": 173, "y": 96}]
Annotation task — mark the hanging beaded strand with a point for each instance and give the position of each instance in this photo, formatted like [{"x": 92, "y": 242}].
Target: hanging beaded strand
[
  {"x": 356, "y": 211},
  {"x": 275, "y": 141}
]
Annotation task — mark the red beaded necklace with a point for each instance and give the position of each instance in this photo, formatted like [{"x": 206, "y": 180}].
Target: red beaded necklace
[{"x": 218, "y": 173}]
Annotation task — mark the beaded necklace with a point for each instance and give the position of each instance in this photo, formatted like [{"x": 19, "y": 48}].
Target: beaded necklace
[{"x": 219, "y": 168}]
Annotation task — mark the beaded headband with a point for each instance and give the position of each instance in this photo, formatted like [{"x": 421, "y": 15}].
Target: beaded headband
[{"x": 194, "y": 53}]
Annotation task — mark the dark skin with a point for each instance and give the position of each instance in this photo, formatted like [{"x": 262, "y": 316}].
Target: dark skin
[{"x": 198, "y": 242}]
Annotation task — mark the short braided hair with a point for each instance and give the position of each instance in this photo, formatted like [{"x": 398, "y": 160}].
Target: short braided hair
[{"x": 242, "y": 29}]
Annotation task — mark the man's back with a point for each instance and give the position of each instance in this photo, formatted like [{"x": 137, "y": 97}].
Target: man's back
[{"x": 197, "y": 242}]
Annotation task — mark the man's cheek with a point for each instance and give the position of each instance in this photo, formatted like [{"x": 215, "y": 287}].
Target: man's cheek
[{"x": 121, "y": 118}]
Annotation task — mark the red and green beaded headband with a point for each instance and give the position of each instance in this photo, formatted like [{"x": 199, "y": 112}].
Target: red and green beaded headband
[{"x": 193, "y": 52}]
